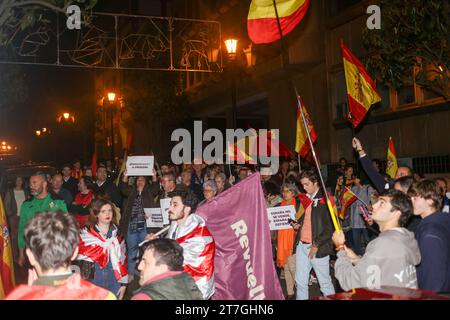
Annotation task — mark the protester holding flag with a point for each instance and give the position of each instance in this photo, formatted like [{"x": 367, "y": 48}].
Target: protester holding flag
[
  {"x": 390, "y": 259},
  {"x": 315, "y": 246}
]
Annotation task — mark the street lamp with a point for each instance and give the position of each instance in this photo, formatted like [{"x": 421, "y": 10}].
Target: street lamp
[
  {"x": 111, "y": 99},
  {"x": 38, "y": 133},
  {"x": 231, "y": 45}
]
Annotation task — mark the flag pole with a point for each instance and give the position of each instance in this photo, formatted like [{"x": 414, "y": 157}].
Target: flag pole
[{"x": 313, "y": 151}]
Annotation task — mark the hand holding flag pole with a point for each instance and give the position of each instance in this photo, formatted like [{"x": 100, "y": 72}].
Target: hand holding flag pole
[{"x": 313, "y": 151}]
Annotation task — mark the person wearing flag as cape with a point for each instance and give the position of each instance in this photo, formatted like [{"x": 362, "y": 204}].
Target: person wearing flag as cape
[{"x": 190, "y": 231}]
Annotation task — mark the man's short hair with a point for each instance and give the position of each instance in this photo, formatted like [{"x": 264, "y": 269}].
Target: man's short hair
[
  {"x": 187, "y": 197},
  {"x": 210, "y": 184},
  {"x": 52, "y": 237},
  {"x": 427, "y": 189},
  {"x": 170, "y": 175},
  {"x": 56, "y": 174},
  {"x": 410, "y": 170},
  {"x": 102, "y": 166},
  {"x": 40, "y": 174},
  {"x": 67, "y": 165},
  {"x": 310, "y": 174},
  {"x": 401, "y": 202},
  {"x": 166, "y": 251},
  {"x": 405, "y": 182}
]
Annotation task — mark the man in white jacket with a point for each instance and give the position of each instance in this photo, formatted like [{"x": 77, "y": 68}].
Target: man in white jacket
[{"x": 391, "y": 258}]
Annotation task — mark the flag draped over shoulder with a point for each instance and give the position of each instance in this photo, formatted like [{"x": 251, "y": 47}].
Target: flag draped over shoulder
[
  {"x": 302, "y": 146},
  {"x": 243, "y": 263},
  {"x": 262, "y": 23},
  {"x": 361, "y": 89},
  {"x": 346, "y": 199},
  {"x": 7, "y": 281},
  {"x": 392, "y": 166}
]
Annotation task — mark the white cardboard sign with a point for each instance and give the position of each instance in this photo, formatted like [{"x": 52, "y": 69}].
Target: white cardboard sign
[
  {"x": 154, "y": 217},
  {"x": 165, "y": 205},
  {"x": 140, "y": 166},
  {"x": 279, "y": 216}
]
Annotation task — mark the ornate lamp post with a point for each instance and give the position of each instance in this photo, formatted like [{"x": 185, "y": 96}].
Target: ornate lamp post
[{"x": 231, "y": 45}]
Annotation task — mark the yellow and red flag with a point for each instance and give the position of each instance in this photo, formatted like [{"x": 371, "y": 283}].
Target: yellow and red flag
[
  {"x": 7, "y": 281},
  {"x": 302, "y": 144},
  {"x": 347, "y": 198},
  {"x": 392, "y": 166},
  {"x": 262, "y": 23},
  {"x": 361, "y": 89}
]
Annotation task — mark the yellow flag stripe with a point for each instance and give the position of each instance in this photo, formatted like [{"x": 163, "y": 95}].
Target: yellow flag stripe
[
  {"x": 264, "y": 9},
  {"x": 358, "y": 87}
]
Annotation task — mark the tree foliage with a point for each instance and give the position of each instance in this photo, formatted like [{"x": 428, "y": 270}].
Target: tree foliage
[{"x": 414, "y": 37}]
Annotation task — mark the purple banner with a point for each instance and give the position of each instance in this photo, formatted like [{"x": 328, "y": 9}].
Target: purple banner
[{"x": 243, "y": 264}]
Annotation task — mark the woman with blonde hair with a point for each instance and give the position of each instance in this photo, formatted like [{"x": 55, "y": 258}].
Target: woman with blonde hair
[{"x": 102, "y": 249}]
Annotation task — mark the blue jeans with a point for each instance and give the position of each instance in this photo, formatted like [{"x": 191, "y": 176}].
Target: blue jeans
[
  {"x": 321, "y": 267},
  {"x": 105, "y": 278},
  {"x": 133, "y": 240},
  {"x": 359, "y": 234}
]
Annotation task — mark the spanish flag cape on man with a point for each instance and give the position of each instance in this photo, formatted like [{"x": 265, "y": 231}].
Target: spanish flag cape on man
[
  {"x": 7, "y": 281},
  {"x": 262, "y": 23},
  {"x": 392, "y": 166},
  {"x": 361, "y": 89}
]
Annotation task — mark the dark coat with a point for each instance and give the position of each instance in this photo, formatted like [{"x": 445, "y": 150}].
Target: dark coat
[
  {"x": 149, "y": 197},
  {"x": 71, "y": 185},
  {"x": 10, "y": 202},
  {"x": 111, "y": 191},
  {"x": 322, "y": 227}
]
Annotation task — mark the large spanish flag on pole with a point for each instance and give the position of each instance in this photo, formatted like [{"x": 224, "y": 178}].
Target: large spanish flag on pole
[
  {"x": 361, "y": 89},
  {"x": 302, "y": 146},
  {"x": 392, "y": 166},
  {"x": 347, "y": 198},
  {"x": 262, "y": 20},
  {"x": 7, "y": 281}
]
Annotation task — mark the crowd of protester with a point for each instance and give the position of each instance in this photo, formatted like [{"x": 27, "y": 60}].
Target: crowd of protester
[{"x": 397, "y": 232}]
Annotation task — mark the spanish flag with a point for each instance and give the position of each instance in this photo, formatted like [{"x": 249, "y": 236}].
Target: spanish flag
[
  {"x": 302, "y": 144},
  {"x": 361, "y": 89},
  {"x": 392, "y": 167},
  {"x": 262, "y": 23},
  {"x": 7, "y": 282},
  {"x": 347, "y": 198},
  {"x": 305, "y": 202}
]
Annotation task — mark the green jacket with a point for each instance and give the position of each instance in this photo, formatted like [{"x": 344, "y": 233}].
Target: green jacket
[
  {"x": 179, "y": 287},
  {"x": 34, "y": 206}
]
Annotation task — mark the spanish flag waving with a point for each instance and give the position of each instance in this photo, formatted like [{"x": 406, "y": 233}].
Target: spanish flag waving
[
  {"x": 361, "y": 89},
  {"x": 262, "y": 23},
  {"x": 347, "y": 198},
  {"x": 7, "y": 281},
  {"x": 302, "y": 144},
  {"x": 391, "y": 167}
]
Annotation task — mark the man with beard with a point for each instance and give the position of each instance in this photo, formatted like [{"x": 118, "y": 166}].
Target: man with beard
[
  {"x": 41, "y": 201},
  {"x": 190, "y": 231}
]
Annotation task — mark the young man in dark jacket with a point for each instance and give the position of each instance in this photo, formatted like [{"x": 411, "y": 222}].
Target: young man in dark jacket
[
  {"x": 315, "y": 246},
  {"x": 433, "y": 236}
]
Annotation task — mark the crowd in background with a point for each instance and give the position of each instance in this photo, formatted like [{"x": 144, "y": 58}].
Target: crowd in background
[{"x": 108, "y": 204}]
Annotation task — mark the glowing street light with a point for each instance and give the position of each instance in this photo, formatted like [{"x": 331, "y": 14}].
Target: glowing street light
[
  {"x": 38, "y": 133},
  {"x": 111, "y": 96}
]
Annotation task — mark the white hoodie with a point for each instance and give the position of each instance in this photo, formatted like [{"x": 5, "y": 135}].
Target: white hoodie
[{"x": 389, "y": 260}]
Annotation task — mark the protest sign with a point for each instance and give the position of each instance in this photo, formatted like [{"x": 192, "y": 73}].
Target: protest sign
[
  {"x": 140, "y": 166},
  {"x": 279, "y": 216},
  {"x": 154, "y": 217},
  {"x": 165, "y": 205}
]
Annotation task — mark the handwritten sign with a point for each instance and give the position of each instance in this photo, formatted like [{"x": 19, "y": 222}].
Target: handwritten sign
[
  {"x": 140, "y": 166},
  {"x": 279, "y": 216},
  {"x": 154, "y": 217}
]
